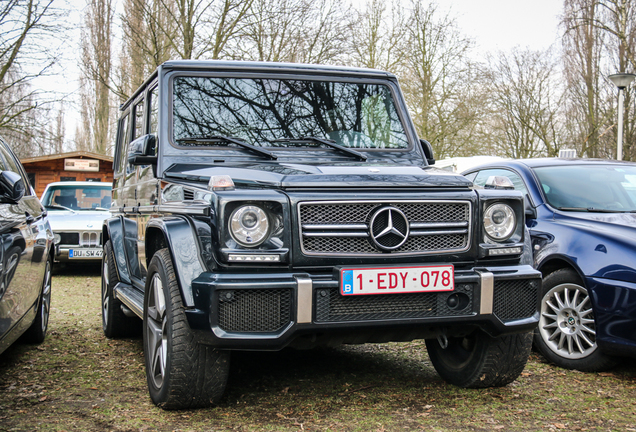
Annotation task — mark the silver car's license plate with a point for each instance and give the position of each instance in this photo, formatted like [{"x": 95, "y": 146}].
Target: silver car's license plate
[{"x": 85, "y": 253}]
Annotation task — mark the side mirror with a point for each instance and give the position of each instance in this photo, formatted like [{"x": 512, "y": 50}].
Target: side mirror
[
  {"x": 11, "y": 186},
  {"x": 499, "y": 182},
  {"x": 143, "y": 150},
  {"x": 428, "y": 152}
]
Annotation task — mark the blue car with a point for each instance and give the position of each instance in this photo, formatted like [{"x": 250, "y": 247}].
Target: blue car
[{"x": 582, "y": 219}]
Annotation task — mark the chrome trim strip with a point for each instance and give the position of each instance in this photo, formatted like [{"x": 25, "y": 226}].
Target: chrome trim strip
[
  {"x": 439, "y": 232},
  {"x": 148, "y": 209},
  {"x": 432, "y": 225},
  {"x": 304, "y": 300},
  {"x": 197, "y": 210},
  {"x": 487, "y": 292},
  {"x": 389, "y": 201},
  {"x": 337, "y": 234},
  {"x": 336, "y": 227}
]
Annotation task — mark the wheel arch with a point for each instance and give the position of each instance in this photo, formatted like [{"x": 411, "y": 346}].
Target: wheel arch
[
  {"x": 555, "y": 263},
  {"x": 113, "y": 230},
  {"x": 177, "y": 234}
]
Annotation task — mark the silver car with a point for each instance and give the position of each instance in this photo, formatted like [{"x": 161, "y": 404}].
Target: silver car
[{"x": 76, "y": 211}]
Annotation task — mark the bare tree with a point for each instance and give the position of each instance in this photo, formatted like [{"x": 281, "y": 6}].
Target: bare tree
[
  {"x": 23, "y": 25},
  {"x": 437, "y": 80},
  {"x": 96, "y": 64},
  {"x": 302, "y": 31},
  {"x": 525, "y": 118},
  {"x": 619, "y": 24},
  {"x": 197, "y": 28},
  {"x": 378, "y": 36},
  {"x": 583, "y": 46}
]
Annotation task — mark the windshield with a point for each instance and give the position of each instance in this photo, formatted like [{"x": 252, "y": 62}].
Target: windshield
[
  {"x": 267, "y": 112},
  {"x": 589, "y": 187},
  {"x": 74, "y": 197}
]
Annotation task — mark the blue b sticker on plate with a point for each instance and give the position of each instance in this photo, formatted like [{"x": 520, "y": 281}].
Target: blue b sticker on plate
[
  {"x": 347, "y": 282},
  {"x": 70, "y": 253}
]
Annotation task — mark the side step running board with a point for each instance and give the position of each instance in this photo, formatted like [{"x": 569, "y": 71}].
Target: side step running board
[{"x": 131, "y": 297}]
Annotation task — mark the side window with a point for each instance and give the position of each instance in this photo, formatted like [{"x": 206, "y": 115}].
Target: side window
[
  {"x": 154, "y": 110},
  {"x": 3, "y": 164},
  {"x": 482, "y": 178},
  {"x": 10, "y": 163},
  {"x": 122, "y": 144},
  {"x": 139, "y": 120}
]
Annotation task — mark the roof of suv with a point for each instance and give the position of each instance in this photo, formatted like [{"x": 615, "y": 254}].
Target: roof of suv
[
  {"x": 228, "y": 65},
  {"x": 252, "y": 66}
]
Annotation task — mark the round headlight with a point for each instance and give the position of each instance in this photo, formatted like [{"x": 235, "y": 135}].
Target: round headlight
[
  {"x": 57, "y": 238},
  {"x": 249, "y": 225},
  {"x": 499, "y": 222}
]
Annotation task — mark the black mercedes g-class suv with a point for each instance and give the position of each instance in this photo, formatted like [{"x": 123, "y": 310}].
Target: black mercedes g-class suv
[{"x": 258, "y": 206}]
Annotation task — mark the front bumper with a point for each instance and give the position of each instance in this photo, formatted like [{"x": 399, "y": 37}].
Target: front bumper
[
  {"x": 268, "y": 311},
  {"x": 614, "y": 304}
]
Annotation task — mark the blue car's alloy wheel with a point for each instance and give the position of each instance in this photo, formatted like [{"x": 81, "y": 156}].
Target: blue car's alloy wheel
[{"x": 566, "y": 334}]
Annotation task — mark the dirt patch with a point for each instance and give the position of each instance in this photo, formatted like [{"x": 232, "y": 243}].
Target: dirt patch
[{"x": 79, "y": 380}]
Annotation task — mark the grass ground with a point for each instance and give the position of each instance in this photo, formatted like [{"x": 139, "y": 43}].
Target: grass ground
[{"x": 79, "y": 380}]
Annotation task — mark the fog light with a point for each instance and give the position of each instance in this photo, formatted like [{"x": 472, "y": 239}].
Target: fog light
[
  {"x": 504, "y": 251},
  {"x": 254, "y": 258}
]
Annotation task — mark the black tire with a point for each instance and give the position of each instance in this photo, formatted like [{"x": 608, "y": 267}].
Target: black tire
[
  {"x": 37, "y": 332},
  {"x": 181, "y": 372},
  {"x": 114, "y": 322},
  {"x": 479, "y": 361},
  {"x": 566, "y": 335}
]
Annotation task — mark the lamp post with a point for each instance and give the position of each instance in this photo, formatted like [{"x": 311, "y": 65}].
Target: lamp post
[{"x": 621, "y": 80}]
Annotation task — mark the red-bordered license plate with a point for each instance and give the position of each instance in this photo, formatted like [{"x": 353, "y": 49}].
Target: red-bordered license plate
[{"x": 393, "y": 280}]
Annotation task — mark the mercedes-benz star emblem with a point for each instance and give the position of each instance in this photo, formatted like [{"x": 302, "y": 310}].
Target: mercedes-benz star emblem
[{"x": 389, "y": 228}]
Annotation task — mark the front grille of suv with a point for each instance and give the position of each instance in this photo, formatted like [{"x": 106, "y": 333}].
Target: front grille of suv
[
  {"x": 331, "y": 306},
  {"x": 342, "y": 228},
  {"x": 515, "y": 299},
  {"x": 254, "y": 310}
]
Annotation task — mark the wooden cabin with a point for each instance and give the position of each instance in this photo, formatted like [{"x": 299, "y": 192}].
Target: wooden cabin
[{"x": 73, "y": 166}]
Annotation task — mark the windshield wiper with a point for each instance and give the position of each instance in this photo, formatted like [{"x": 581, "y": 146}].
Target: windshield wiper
[
  {"x": 328, "y": 143},
  {"x": 57, "y": 206},
  {"x": 593, "y": 210},
  {"x": 228, "y": 139}
]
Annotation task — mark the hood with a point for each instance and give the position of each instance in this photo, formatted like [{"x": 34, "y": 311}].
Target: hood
[
  {"x": 84, "y": 220},
  {"x": 611, "y": 224},
  {"x": 291, "y": 175}
]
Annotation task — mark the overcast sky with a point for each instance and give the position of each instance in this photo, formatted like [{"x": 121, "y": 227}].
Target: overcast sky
[{"x": 503, "y": 24}]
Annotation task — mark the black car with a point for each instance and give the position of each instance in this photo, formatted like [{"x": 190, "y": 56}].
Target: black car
[
  {"x": 258, "y": 206},
  {"x": 581, "y": 216},
  {"x": 25, "y": 256}
]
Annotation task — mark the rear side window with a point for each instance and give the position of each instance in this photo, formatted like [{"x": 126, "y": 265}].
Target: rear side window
[
  {"x": 154, "y": 110},
  {"x": 139, "y": 120},
  {"x": 122, "y": 144}
]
